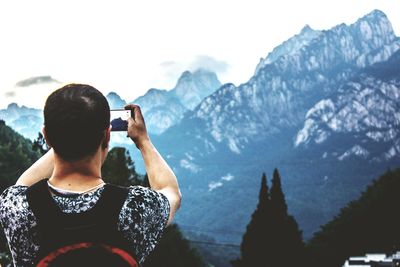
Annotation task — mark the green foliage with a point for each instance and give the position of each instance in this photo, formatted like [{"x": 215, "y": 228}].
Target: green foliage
[
  {"x": 119, "y": 168},
  {"x": 174, "y": 251},
  {"x": 367, "y": 225},
  {"x": 16, "y": 155},
  {"x": 272, "y": 233}
]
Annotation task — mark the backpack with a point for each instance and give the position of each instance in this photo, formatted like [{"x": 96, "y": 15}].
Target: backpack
[{"x": 90, "y": 238}]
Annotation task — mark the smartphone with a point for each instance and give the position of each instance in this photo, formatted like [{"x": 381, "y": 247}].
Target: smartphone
[{"x": 119, "y": 119}]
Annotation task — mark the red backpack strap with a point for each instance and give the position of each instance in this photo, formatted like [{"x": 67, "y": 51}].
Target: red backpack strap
[{"x": 51, "y": 258}]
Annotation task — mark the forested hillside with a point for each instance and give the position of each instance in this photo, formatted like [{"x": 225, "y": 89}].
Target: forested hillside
[
  {"x": 367, "y": 225},
  {"x": 16, "y": 155}
]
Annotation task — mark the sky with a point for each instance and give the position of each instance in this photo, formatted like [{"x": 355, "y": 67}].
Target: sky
[{"x": 132, "y": 46}]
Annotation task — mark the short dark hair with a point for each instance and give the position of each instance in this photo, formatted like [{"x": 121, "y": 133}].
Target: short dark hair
[{"x": 75, "y": 119}]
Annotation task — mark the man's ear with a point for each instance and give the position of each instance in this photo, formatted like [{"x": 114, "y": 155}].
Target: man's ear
[
  {"x": 106, "y": 140},
  {"x": 45, "y": 137}
]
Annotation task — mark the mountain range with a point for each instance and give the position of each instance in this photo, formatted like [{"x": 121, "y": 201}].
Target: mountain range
[
  {"x": 26, "y": 121},
  {"x": 323, "y": 107},
  {"x": 161, "y": 108}
]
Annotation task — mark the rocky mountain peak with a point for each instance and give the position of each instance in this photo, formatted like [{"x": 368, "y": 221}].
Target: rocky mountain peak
[
  {"x": 306, "y": 29},
  {"x": 12, "y": 106},
  {"x": 377, "y": 15},
  {"x": 115, "y": 101},
  {"x": 191, "y": 88},
  {"x": 290, "y": 46},
  {"x": 375, "y": 28},
  {"x": 164, "y": 108}
]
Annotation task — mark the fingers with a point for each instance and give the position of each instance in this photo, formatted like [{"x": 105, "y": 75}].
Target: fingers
[
  {"x": 137, "y": 113},
  {"x": 136, "y": 126}
]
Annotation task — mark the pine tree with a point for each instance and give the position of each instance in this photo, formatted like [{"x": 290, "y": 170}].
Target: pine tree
[
  {"x": 278, "y": 202},
  {"x": 288, "y": 246},
  {"x": 272, "y": 238},
  {"x": 253, "y": 247}
]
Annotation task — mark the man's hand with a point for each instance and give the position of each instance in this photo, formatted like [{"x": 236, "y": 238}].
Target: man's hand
[{"x": 136, "y": 126}]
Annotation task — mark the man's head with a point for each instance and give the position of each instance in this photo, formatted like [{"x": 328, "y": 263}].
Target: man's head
[{"x": 76, "y": 119}]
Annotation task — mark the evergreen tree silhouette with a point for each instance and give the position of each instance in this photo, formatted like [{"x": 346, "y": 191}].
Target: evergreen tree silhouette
[
  {"x": 272, "y": 238},
  {"x": 288, "y": 246},
  {"x": 254, "y": 242}
]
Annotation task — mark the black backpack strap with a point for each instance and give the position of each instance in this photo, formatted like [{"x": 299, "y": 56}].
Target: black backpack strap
[
  {"x": 99, "y": 224},
  {"x": 42, "y": 204},
  {"x": 47, "y": 213},
  {"x": 110, "y": 203},
  {"x": 51, "y": 219}
]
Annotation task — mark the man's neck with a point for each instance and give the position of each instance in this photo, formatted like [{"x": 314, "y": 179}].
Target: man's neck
[{"x": 78, "y": 175}]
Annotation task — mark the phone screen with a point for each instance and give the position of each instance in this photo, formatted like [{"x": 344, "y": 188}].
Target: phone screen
[{"x": 119, "y": 119}]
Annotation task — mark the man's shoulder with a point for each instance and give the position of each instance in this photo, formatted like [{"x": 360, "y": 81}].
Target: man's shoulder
[
  {"x": 13, "y": 203},
  {"x": 141, "y": 193},
  {"x": 147, "y": 201},
  {"x": 143, "y": 218},
  {"x": 13, "y": 192}
]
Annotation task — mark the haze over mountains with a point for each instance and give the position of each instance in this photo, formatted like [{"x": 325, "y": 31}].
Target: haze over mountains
[
  {"x": 323, "y": 107},
  {"x": 26, "y": 121}
]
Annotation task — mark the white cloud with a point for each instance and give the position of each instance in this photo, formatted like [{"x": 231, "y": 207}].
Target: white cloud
[
  {"x": 210, "y": 63},
  {"x": 119, "y": 45}
]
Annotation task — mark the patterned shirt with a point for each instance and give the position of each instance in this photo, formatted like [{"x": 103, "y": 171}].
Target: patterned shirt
[{"x": 142, "y": 219}]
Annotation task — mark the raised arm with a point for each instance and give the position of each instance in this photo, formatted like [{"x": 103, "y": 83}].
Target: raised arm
[
  {"x": 42, "y": 168},
  {"x": 162, "y": 179}
]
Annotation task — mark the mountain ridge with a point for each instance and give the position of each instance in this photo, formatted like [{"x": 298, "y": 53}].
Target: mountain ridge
[
  {"x": 249, "y": 129},
  {"x": 164, "y": 108}
]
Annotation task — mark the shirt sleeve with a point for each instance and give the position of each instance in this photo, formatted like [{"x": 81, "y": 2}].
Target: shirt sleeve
[
  {"x": 143, "y": 218},
  {"x": 11, "y": 200},
  {"x": 17, "y": 221}
]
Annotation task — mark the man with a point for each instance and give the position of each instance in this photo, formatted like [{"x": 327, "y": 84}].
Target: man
[{"x": 77, "y": 128}]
